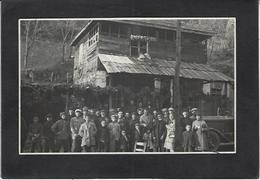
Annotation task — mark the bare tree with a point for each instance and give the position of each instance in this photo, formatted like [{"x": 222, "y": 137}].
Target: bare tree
[
  {"x": 67, "y": 29},
  {"x": 31, "y": 29}
]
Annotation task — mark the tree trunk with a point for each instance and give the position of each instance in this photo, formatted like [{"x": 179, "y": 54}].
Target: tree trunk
[
  {"x": 177, "y": 98},
  {"x": 63, "y": 52},
  {"x": 26, "y": 46}
]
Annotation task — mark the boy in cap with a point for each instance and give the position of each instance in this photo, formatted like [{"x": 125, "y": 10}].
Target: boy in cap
[
  {"x": 48, "y": 135},
  {"x": 75, "y": 124},
  {"x": 61, "y": 130},
  {"x": 124, "y": 142},
  {"x": 187, "y": 137}
]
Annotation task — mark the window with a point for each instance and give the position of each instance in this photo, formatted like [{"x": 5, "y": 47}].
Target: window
[
  {"x": 138, "y": 47},
  {"x": 93, "y": 36}
]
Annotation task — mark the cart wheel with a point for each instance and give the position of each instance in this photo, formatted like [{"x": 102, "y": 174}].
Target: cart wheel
[{"x": 213, "y": 140}]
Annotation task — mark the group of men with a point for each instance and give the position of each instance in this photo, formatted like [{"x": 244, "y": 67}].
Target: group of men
[{"x": 89, "y": 130}]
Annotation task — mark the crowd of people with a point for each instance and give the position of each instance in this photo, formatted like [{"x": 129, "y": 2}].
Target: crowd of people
[{"x": 89, "y": 130}]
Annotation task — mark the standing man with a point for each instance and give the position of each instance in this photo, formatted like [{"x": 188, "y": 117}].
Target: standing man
[
  {"x": 75, "y": 124},
  {"x": 48, "y": 135},
  {"x": 146, "y": 120},
  {"x": 61, "y": 129},
  {"x": 35, "y": 135},
  {"x": 159, "y": 132}
]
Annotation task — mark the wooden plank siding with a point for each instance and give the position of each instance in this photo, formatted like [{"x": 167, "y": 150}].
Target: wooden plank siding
[{"x": 191, "y": 51}]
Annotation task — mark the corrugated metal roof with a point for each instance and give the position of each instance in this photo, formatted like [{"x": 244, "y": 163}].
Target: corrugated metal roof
[{"x": 160, "y": 67}]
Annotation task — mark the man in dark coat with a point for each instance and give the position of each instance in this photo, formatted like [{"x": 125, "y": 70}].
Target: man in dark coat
[
  {"x": 159, "y": 131},
  {"x": 48, "y": 135},
  {"x": 61, "y": 130},
  {"x": 185, "y": 120},
  {"x": 35, "y": 135},
  {"x": 75, "y": 124}
]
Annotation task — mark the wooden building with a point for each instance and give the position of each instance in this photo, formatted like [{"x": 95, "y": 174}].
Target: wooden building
[{"x": 137, "y": 58}]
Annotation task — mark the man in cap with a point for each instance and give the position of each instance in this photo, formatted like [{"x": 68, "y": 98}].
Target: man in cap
[
  {"x": 146, "y": 120},
  {"x": 121, "y": 121},
  {"x": 61, "y": 130},
  {"x": 84, "y": 112},
  {"x": 35, "y": 134},
  {"x": 75, "y": 124},
  {"x": 165, "y": 115},
  {"x": 114, "y": 134},
  {"x": 194, "y": 112},
  {"x": 48, "y": 135},
  {"x": 159, "y": 133},
  {"x": 71, "y": 114},
  {"x": 185, "y": 120}
]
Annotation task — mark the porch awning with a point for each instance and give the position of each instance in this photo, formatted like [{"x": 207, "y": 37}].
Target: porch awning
[{"x": 124, "y": 64}]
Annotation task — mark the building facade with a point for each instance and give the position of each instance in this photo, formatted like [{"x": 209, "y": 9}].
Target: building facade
[{"x": 135, "y": 59}]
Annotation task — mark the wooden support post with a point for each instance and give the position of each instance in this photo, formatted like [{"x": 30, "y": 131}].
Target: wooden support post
[
  {"x": 110, "y": 103},
  {"x": 67, "y": 95},
  {"x": 177, "y": 99},
  {"x": 171, "y": 91}
]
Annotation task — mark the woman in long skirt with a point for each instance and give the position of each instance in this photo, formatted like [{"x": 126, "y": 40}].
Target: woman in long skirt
[{"x": 200, "y": 128}]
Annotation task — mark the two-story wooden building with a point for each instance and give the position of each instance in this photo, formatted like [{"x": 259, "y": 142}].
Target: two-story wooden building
[{"x": 137, "y": 59}]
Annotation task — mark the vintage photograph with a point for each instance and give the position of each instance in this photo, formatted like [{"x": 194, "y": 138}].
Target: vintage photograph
[{"x": 127, "y": 85}]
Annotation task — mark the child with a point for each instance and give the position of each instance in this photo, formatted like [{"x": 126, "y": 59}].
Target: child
[
  {"x": 137, "y": 134},
  {"x": 124, "y": 142},
  {"x": 34, "y": 135},
  {"x": 88, "y": 132},
  {"x": 103, "y": 136},
  {"x": 187, "y": 139},
  {"x": 114, "y": 134},
  {"x": 148, "y": 139}
]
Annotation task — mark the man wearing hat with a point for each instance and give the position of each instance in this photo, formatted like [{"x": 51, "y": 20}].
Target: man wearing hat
[
  {"x": 84, "y": 112},
  {"x": 48, "y": 135},
  {"x": 194, "y": 112},
  {"x": 61, "y": 130},
  {"x": 165, "y": 115},
  {"x": 114, "y": 134},
  {"x": 159, "y": 133},
  {"x": 75, "y": 124}
]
